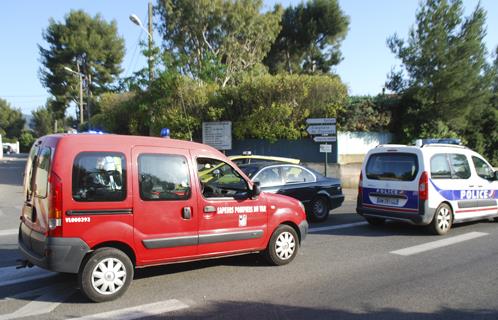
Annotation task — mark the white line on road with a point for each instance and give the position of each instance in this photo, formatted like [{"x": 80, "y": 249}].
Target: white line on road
[
  {"x": 146, "y": 310},
  {"x": 46, "y": 303},
  {"x": 340, "y": 226},
  {"x": 8, "y": 232},
  {"x": 11, "y": 275},
  {"x": 438, "y": 244}
]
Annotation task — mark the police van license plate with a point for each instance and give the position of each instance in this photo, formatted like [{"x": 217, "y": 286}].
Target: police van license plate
[{"x": 388, "y": 201}]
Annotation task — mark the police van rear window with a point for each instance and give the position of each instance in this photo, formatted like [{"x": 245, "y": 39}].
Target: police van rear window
[{"x": 392, "y": 166}]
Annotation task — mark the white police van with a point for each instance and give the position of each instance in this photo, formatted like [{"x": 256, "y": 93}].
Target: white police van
[{"x": 429, "y": 184}]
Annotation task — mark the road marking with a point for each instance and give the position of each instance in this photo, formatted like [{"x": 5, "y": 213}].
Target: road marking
[
  {"x": 45, "y": 303},
  {"x": 8, "y": 232},
  {"x": 11, "y": 275},
  {"x": 438, "y": 244},
  {"x": 340, "y": 226},
  {"x": 138, "y": 312}
]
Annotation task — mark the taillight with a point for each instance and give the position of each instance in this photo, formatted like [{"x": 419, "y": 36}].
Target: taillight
[
  {"x": 55, "y": 207},
  {"x": 423, "y": 186}
]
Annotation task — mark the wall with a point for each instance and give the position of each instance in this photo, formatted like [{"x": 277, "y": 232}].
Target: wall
[
  {"x": 352, "y": 146},
  {"x": 305, "y": 149}
]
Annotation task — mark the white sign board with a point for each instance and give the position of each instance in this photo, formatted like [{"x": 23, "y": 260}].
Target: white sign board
[
  {"x": 217, "y": 134},
  {"x": 321, "y": 130},
  {"x": 326, "y": 148},
  {"x": 320, "y": 121},
  {"x": 325, "y": 139}
]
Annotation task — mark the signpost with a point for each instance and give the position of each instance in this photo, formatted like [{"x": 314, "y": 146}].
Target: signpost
[
  {"x": 217, "y": 134},
  {"x": 324, "y": 130}
]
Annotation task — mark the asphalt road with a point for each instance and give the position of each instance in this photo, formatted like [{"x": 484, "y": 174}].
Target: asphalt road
[{"x": 344, "y": 270}]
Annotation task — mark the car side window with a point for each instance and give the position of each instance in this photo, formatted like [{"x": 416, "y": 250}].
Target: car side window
[
  {"x": 297, "y": 175},
  {"x": 482, "y": 168},
  {"x": 460, "y": 166},
  {"x": 269, "y": 177},
  {"x": 99, "y": 177},
  {"x": 218, "y": 179},
  {"x": 440, "y": 167},
  {"x": 163, "y": 177}
]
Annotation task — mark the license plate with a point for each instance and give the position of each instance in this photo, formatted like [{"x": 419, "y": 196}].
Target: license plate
[{"x": 388, "y": 201}]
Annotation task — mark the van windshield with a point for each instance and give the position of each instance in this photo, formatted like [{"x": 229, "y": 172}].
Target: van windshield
[{"x": 392, "y": 166}]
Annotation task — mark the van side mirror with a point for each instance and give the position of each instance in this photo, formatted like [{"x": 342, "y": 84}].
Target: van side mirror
[
  {"x": 256, "y": 190},
  {"x": 495, "y": 176}
]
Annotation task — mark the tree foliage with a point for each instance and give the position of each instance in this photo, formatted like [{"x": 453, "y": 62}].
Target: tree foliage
[
  {"x": 213, "y": 40},
  {"x": 276, "y": 107},
  {"x": 366, "y": 113},
  {"x": 310, "y": 38},
  {"x": 43, "y": 120},
  {"x": 447, "y": 75},
  {"x": 11, "y": 120},
  {"x": 80, "y": 39}
]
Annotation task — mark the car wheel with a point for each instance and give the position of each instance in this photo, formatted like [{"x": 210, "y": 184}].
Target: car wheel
[
  {"x": 319, "y": 210},
  {"x": 442, "y": 221},
  {"x": 105, "y": 275},
  {"x": 283, "y": 246},
  {"x": 375, "y": 221}
]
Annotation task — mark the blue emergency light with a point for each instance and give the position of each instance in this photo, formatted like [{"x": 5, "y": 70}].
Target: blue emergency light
[{"x": 164, "y": 133}]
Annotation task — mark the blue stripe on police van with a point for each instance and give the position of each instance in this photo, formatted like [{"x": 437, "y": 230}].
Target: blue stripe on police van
[{"x": 469, "y": 194}]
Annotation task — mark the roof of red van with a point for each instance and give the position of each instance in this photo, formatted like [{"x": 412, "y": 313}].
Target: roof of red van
[{"x": 116, "y": 139}]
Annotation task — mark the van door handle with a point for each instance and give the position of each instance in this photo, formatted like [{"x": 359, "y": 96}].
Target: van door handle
[
  {"x": 187, "y": 213},
  {"x": 209, "y": 209},
  {"x": 471, "y": 186}
]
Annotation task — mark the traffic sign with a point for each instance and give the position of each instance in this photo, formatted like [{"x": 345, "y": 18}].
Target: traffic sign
[
  {"x": 326, "y": 148},
  {"x": 325, "y": 139},
  {"x": 321, "y": 130},
  {"x": 320, "y": 121}
]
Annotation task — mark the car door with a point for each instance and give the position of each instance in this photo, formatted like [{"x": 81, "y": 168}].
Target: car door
[
  {"x": 230, "y": 220},
  {"x": 486, "y": 185},
  {"x": 165, "y": 217}
]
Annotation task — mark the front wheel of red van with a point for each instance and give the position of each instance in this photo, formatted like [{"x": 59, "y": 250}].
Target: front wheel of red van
[
  {"x": 283, "y": 246},
  {"x": 105, "y": 275},
  {"x": 443, "y": 219}
]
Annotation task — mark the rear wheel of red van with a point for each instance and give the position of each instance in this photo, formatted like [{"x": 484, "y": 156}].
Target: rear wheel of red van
[
  {"x": 443, "y": 219},
  {"x": 283, "y": 246},
  {"x": 105, "y": 275}
]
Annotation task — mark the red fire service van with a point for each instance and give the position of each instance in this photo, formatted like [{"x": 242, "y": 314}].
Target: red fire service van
[{"x": 102, "y": 205}]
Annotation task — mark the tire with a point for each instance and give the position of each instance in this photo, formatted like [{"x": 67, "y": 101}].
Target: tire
[
  {"x": 442, "y": 221},
  {"x": 319, "y": 210},
  {"x": 100, "y": 285},
  {"x": 375, "y": 221},
  {"x": 283, "y": 246}
]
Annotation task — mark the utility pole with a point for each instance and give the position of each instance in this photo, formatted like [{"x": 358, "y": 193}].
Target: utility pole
[{"x": 81, "y": 92}]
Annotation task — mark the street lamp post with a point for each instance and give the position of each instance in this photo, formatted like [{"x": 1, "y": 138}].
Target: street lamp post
[
  {"x": 88, "y": 80},
  {"x": 136, "y": 20}
]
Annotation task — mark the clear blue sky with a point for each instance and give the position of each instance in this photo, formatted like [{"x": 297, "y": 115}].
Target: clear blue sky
[{"x": 367, "y": 60}]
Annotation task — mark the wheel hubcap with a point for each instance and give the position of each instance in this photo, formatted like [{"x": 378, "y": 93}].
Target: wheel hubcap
[
  {"x": 109, "y": 276},
  {"x": 444, "y": 219},
  {"x": 285, "y": 245},
  {"x": 319, "y": 208}
]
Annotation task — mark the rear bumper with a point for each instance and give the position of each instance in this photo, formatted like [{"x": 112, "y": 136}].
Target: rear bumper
[
  {"x": 54, "y": 254},
  {"x": 420, "y": 217}
]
